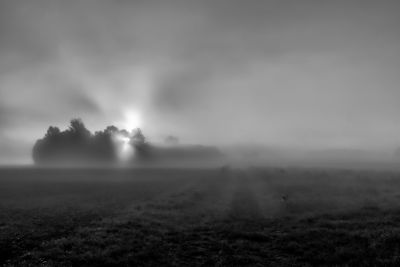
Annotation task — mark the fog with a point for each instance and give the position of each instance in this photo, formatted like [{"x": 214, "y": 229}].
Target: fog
[{"x": 287, "y": 76}]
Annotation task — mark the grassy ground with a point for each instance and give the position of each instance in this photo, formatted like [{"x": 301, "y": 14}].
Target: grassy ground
[{"x": 199, "y": 217}]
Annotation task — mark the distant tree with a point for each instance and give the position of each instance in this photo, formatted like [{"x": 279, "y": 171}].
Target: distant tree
[
  {"x": 71, "y": 145},
  {"x": 124, "y": 133},
  {"x": 138, "y": 138},
  {"x": 78, "y": 145},
  {"x": 37, "y": 151},
  {"x": 77, "y": 131},
  {"x": 102, "y": 146},
  {"x": 44, "y": 149},
  {"x": 171, "y": 140},
  {"x": 52, "y": 133},
  {"x": 111, "y": 129},
  {"x": 138, "y": 141}
]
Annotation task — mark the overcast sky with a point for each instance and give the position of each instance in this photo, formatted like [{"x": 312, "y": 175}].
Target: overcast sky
[{"x": 301, "y": 73}]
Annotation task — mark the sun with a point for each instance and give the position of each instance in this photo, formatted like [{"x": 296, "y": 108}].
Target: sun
[
  {"x": 125, "y": 143},
  {"x": 131, "y": 120},
  {"x": 124, "y": 147}
]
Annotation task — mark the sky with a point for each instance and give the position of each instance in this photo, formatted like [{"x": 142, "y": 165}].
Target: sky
[{"x": 318, "y": 74}]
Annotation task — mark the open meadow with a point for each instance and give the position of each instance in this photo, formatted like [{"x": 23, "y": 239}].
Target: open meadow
[{"x": 199, "y": 217}]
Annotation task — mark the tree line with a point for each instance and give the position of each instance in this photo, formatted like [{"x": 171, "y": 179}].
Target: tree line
[{"x": 77, "y": 144}]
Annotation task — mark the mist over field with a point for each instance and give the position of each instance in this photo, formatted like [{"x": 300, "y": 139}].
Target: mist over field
[
  {"x": 199, "y": 133},
  {"x": 308, "y": 75}
]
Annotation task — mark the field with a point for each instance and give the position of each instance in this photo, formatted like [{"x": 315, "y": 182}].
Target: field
[{"x": 199, "y": 217}]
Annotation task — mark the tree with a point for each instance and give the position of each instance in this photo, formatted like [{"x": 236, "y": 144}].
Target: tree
[
  {"x": 171, "y": 140},
  {"x": 52, "y": 133},
  {"x": 71, "y": 145},
  {"x": 44, "y": 149},
  {"x": 111, "y": 129},
  {"x": 124, "y": 133},
  {"x": 103, "y": 147},
  {"x": 77, "y": 131},
  {"x": 78, "y": 145},
  {"x": 138, "y": 138},
  {"x": 138, "y": 141}
]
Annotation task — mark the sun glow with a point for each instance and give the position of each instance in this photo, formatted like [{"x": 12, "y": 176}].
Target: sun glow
[
  {"x": 125, "y": 150},
  {"x": 132, "y": 120},
  {"x": 129, "y": 122}
]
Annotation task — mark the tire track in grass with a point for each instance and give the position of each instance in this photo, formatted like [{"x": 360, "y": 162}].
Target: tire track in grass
[
  {"x": 273, "y": 203},
  {"x": 233, "y": 239},
  {"x": 244, "y": 204}
]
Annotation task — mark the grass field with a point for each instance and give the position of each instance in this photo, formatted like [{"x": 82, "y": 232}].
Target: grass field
[{"x": 199, "y": 217}]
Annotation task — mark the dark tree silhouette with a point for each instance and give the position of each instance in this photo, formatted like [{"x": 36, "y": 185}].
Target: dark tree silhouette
[
  {"x": 77, "y": 131},
  {"x": 102, "y": 147},
  {"x": 138, "y": 138},
  {"x": 111, "y": 129},
  {"x": 52, "y": 133},
  {"x": 139, "y": 143},
  {"x": 76, "y": 145}
]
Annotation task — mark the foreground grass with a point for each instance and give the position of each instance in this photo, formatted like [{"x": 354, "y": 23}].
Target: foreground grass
[
  {"x": 368, "y": 237},
  {"x": 205, "y": 219}
]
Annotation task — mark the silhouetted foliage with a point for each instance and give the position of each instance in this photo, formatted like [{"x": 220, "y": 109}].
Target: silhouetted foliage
[
  {"x": 138, "y": 139},
  {"x": 77, "y": 145},
  {"x": 53, "y": 133},
  {"x": 103, "y": 147},
  {"x": 112, "y": 129},
  {"x": 171, "y": 140},
  {"x": 78, "y": 131},
  {"x": 139, "y": 143}
]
